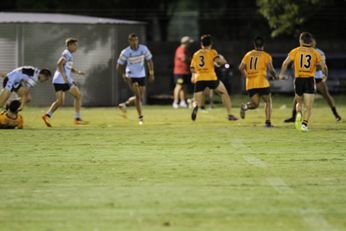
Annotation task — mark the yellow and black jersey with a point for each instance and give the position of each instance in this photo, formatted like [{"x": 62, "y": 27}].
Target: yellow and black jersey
[
  {"x": 305, "y": 61},
  {"x": 256, "y": 65},
  {"x": 8, "y": 123},
  {"x": 203, "y": 64}
]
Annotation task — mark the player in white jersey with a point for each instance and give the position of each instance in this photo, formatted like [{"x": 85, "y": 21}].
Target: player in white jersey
[
  {"x": 131, "y": 67},
  {"x": 20, "y": 80},
  {"x": 322, "y": 88},
  {"x": 63, "y": 82}
]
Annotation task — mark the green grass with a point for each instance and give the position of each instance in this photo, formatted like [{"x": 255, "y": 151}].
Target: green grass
[{"x": 174, "y": 174}]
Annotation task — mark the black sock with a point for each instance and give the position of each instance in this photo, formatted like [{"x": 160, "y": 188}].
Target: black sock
[
  {"x": 335, "y": 112},
  {"x": 305, "y": 123},
  {"x": 268, "y": 122}
]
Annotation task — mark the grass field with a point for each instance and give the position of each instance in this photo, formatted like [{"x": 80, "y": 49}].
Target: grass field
[{"x": 174, "y": 174}]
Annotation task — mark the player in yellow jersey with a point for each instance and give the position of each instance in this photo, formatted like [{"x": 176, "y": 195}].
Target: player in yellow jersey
[
  {"x": 305, "y": 59},
  {"x": 204, "y": 76},
  {"x": 254, "y": 67},
  {"x": 10, "y": 119}
]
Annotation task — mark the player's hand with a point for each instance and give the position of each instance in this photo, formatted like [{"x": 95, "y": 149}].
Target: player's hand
[
  {"x": 151, "y": 77},
  {"x": 324, "y": 78},
  {"x": 193, "y": 80},
  {"x": 281, "y": 77},
  {"x": 81, "y": 73}
]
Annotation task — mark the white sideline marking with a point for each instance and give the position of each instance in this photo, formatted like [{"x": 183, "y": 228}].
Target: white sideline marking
[
  {"x": 316, "y": 221},
  {"x": 279, "y": 185},
  {"x": 255, "y": 161},
  {"x": 238, "y": 144}
]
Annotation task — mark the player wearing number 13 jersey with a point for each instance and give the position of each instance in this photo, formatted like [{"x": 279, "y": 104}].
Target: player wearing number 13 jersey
[
  {"x": 204, "y": 76},
  {"x": 305, "y": 59}
]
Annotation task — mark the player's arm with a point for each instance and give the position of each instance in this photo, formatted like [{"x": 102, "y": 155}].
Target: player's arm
[
  {"x": 324, "y": 70},
  {"x": 121, "y": 70},
  {"x": 24, "y": 95},
  {"x": 272, "y": 71},
  {"x": 78, "y": 72},
  {"x": 242, "y": 69},
  {"x": 284, "y": 67},
  {"x": 220, "y": 60},
  {"x": 60, "y": 66},
  {"x": 193, "y": 72},
  {"x": 150, "y": 65}
]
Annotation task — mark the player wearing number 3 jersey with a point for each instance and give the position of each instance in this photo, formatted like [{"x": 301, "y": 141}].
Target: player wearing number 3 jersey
[
  {"x": 204, "y": 76},
  {"x": 305, "y": 59}
]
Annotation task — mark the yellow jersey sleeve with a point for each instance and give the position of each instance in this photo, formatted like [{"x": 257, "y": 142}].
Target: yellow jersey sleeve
[{"x": 20, "y": 122}]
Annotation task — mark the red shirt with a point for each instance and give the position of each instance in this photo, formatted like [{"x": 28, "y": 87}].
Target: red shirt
[{"x": 181, "y": 67}]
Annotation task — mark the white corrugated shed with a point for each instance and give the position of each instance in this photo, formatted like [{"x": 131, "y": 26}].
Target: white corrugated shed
[{"x": 14, "y": 17}]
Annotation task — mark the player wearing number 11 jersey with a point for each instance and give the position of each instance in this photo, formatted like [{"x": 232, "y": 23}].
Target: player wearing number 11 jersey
[
  {"x": 305, "y": 58},
  {"x": 254, "y": 68}
]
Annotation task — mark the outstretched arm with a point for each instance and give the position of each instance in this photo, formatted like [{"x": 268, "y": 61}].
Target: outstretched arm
[
  {"x": 242, "y": 69},
  {"x": 272, "y": 71},
  {"x": 284, "y": 67}
]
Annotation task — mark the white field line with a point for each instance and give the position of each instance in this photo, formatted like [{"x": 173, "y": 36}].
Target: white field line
[
  {"x": 255, "y": 161},
  {"x": 279, "y": 185},
  {"x": 316, "y": 221}
]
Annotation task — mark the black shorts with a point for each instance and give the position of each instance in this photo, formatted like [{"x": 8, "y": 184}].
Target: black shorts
[
  {"x": 201, "y": 85},
  {"x": 259, "y": 91},
  {"x": 62, "y": 87},
  {"x": 304, "y": 86},
  {"x": 15, "y": 89},
  {"x": 140, "y": 81},
  {"x": 318, "y": 80},
  {"x": 182, "y": 79}
]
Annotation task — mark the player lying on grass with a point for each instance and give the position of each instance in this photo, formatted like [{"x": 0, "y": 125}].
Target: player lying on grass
[
  {"x": 204, "y": 76},
  {"x": 254, "y": 67},
  {"x": 306, "y": 59},
  {"x": 10, "y": 118},
  {"x": 20, "y": 80},
  {"x": 131, "y": 67},
  {"x": 322, "y": 88},
  {"x": 63, "y": 81}
]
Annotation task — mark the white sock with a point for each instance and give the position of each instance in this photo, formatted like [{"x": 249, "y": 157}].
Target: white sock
[
  {"x": 77, "y": 115},
  {"x": 49, "y": 113}
]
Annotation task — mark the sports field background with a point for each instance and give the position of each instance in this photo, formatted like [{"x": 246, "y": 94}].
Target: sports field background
[{"x": 174, "y": 174}]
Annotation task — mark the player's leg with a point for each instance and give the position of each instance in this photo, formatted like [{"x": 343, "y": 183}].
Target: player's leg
[
  {"x": 182, "y": 95},
  {"x": 138, "y": 102},
  {"x": 268, "y": 109},
  {"x": 177, "y": 89},
  {"x": 226, "y": 100},
  {"x": 4, "y": 96},
  {"x": 252, "y": 104},
  {"x": 308, "y": 101},
  {"x": 294, "y": 113},
  {"x": 60, "y": 98},
  {"x": 299, "y": 108},
  {"x": 323, "y": 89},
  {"x": 75, "y": 92},
  {"x": 198, "y": 100}
]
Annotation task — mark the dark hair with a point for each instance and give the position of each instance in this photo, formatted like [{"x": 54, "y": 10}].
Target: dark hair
[
  {"x": 46, "y": 72},
  {"x": 70, "y": 41},
  {"x": 13, "y": 106},
  {"x": 206, "y": 40},
  {"x": 132, "y": 35},
  {"x": 306, "y": 37},
  {"x": 258, "y": 42}
]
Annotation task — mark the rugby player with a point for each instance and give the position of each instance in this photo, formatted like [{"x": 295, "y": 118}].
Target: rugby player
[
  {"x": 10, "y": 119},
  {"x": 254, "y": 67},
  {"x": 204, "y": 76},
  {"x": 63, "y": 82},
  {"x": 305, "y": 59}
]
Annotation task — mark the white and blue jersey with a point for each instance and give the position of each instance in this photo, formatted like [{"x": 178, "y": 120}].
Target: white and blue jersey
[
  {"x": 135, "y": 61},
  {"x": 26, "y": 75},
  {"x": 68, "y": 57},
  {"x": 319, "y": 73}
]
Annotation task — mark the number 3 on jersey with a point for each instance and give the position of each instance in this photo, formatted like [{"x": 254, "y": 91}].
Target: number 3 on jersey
[
  {"x": 305, "y": 61},
  {"x": 201, "y": 61}
]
